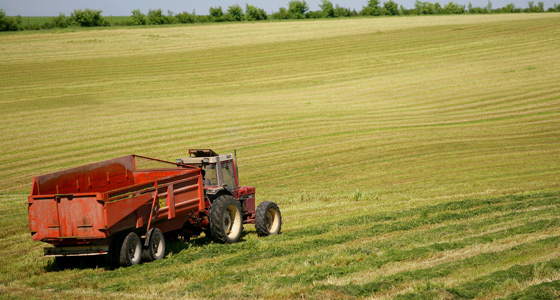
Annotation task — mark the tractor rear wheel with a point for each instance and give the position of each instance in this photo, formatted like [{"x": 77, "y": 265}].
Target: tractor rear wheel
[
  {"x": 131, "y": 250},
  {"x": 268, "y": 219},
  {"x": 226, "y": 223},
  {"x": 156, "y": 246}
]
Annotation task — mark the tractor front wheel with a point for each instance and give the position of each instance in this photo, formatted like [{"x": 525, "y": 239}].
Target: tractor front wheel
[
  {"x": 268, "y": 219},
  {"x": 226, "y": 223}
]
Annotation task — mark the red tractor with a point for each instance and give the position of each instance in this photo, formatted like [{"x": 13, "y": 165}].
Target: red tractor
[
  {"x": 230, "y": 205},
  {"x": 119, "y": 207}
]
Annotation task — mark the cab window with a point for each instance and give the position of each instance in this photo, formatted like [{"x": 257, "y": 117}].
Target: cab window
[
  {"x": 210, "y": 176},
  {"x": 228, "y": 175}
]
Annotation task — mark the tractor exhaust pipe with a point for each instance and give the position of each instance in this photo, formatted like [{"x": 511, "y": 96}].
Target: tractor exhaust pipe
[{"x": 235, "y": 158}]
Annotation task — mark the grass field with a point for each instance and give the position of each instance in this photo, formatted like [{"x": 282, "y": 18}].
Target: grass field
[
  {"x": 412, "y": 157},
  {"x": 35, "y": 20}
]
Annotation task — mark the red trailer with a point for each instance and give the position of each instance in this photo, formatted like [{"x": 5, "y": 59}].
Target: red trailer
[{"x": 122, "y": 208}]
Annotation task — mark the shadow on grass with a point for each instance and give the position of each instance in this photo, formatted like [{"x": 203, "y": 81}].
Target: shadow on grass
[
  {"x": 175, "y": 246},
  {"x": 80, "y": 262},
  {"x": 110, "y": 262}
]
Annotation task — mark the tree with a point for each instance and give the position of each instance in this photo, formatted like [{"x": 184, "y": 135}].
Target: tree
[
  {"x": 554, "y": 8},
  {"x": 138, "y": 18},
  {"x": 253, "y": 13},
  {"x": 9, "y": 23},
  {"x": 217, "y": 14},
  {"x": 342, "y": 12},
  {"x": 234, "y": 13},
  {"x": 373, "y": 3},
  {"x": 281, "y": 14},
  {"x": 452, "y": 8},
  {"x": 297, "y": 9},
  {"x": 327, "y": 8},
  {"x": 185, "y": 17},
  {"x": 509, "y": 8},
  {"x": 372, "y": 9},
  {"x": 437, "y": 9},
  {"x": 156, "y": 17},
  {"x": 533, "y": 8},
  {"x": 478, "y": 10},
  {"x": 88, "y": 18},
  {"x": 424, "y": 8},
  {"x": 60, "y": 21},
  {"x": 390, "y": 8},
  {"x": 418, "y": 7},
  {"x": 318, "y": 14},
  {"x": 170, "y": 19}
]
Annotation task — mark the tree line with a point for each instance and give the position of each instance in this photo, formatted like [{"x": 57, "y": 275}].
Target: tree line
[{"x": 296, "y": 10}]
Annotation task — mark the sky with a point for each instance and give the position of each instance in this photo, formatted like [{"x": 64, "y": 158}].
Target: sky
[{"x": 124, "y": 7}]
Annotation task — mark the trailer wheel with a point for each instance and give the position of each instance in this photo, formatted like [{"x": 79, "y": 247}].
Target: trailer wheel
[
  {"x": 226, "y": 224},
  {"x": 268, "y": 219},
  {"x": 156, "y": 246},
  {"x": 131, "y": 250}
]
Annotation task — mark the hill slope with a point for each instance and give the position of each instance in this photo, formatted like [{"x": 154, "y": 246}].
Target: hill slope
[{"x": 411, "y": 157}]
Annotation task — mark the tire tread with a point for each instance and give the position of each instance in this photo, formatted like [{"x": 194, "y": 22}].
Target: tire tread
[
  {"x": 217, "y": 210},
  {"x": 260, "y": 218}
]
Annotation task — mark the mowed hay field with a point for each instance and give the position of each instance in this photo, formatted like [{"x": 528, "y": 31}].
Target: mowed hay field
[{"x": 412, "y": 157}]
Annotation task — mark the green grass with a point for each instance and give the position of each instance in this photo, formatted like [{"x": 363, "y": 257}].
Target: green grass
[
  {"x": 35, "y": 20},
  {"x": 412, "y": 157}
]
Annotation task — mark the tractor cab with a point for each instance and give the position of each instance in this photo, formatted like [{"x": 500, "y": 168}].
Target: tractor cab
[{"x": 218, "y": 170}]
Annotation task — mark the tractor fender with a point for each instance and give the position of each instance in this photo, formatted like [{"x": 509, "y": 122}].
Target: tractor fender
[{"x": 217, "y": 193}]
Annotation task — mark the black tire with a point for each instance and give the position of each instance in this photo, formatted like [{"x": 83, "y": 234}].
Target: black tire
[
  {"x": 226, "y": 222},
  {"x": 131, "y": 250},
  {"x": 156, "y": 246},
  {"x": 268, "y": 219}
]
